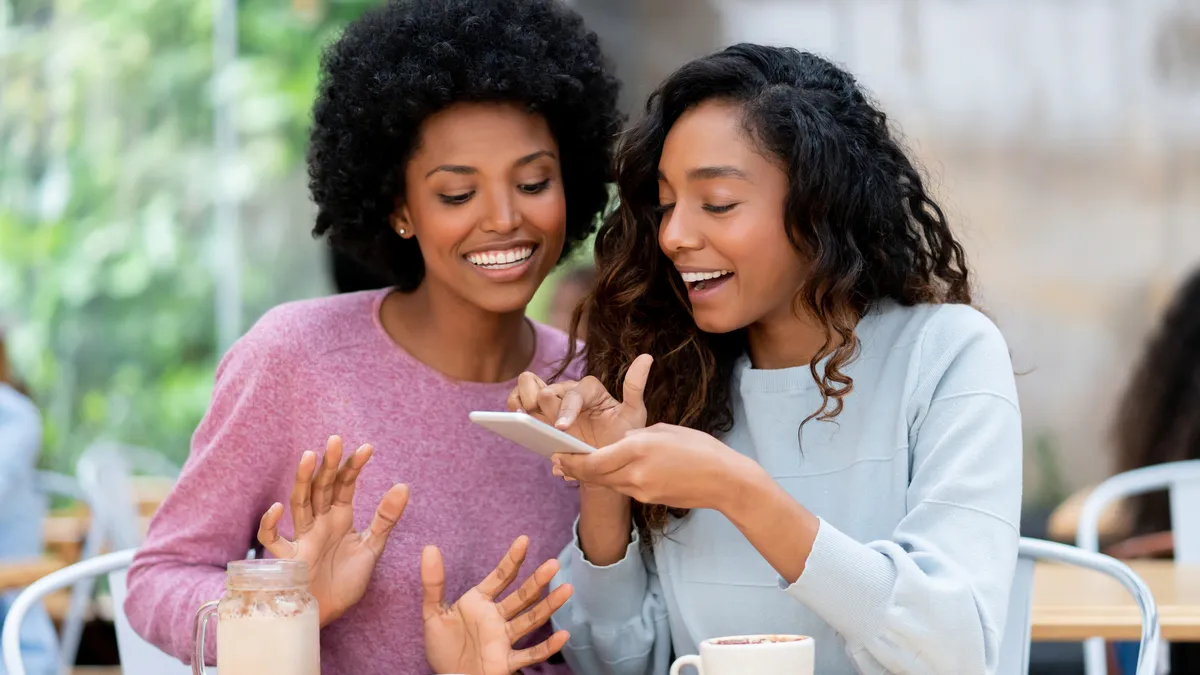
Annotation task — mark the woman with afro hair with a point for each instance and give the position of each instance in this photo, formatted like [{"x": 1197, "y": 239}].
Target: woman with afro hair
[{"x": 460, "y": 150}]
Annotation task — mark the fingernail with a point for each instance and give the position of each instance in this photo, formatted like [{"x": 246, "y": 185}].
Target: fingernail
[
  {"x": 557, "y": 472},
  {"x": 562, "y": 423},
  {"x": 521, "y": 410}
]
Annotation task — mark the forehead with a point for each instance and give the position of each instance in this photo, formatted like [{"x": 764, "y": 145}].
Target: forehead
[
  {"x": 710, "y": 134},
  {"x": 496, "y": 131}
]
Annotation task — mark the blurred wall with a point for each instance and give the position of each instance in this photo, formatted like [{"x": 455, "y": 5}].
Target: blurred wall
[{"x": 1063, "y": 137}]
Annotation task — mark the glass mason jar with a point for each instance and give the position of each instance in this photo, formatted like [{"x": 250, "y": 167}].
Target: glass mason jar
[{"x": 267, "y": 621}]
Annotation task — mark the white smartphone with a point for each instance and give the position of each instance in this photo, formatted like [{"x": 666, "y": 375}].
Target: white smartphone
[{"x": 524, "y": 430}]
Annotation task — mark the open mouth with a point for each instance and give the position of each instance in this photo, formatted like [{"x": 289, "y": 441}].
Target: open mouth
[
  {"x": 501, "y": 260},
  {"x": 700, "y": 281}
]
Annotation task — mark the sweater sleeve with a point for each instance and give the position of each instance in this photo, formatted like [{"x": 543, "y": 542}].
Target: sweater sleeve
[
  {"x": 932, "y": 599},
  {"x": 617, "y": 617},
  {"x": 211, "y": 516}
]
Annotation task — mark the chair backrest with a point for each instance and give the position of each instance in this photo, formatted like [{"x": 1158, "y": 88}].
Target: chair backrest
[
  {"x": 137, "y": 656},
  {"x": 1014, "y": 648},
  {"x": 59, "y": 484},
  {"x": 105, "y": 470},
  {"x": 1182, "y": 481}
]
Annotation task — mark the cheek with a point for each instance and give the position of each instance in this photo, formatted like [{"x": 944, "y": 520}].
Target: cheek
[
  {"x": 441, "y": 228},
  {"x": 765, "y": 258},
  {"x": 547, "y": 213}
]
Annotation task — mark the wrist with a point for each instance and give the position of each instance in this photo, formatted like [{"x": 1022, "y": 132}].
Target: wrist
[
  {"x": 742, "y": 485},
  {"x": 605, "y": 523}
]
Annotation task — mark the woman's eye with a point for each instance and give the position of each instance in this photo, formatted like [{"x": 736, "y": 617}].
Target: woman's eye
[
  {"x": 719, "y": 209},
  {"x": 662, "y": 209},
  {"x": 460, "y": 198},
  {"x": 534, "y": 188}
]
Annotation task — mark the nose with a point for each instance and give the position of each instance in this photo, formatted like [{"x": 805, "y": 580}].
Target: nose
[
  {"x": 678, "y": 233},
  {"x": 502, "y": 216}
]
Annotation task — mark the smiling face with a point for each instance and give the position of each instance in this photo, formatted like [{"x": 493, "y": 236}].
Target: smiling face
[
  {"x": 722, "y": 223},
  {"x": 484, "y": 200}
]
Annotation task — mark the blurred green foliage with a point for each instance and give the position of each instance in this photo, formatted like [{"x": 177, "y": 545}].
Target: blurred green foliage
[{"x": 107, "y": 260}]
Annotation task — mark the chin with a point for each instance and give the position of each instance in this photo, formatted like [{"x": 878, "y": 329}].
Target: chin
[{"x": 718, "y": 322}]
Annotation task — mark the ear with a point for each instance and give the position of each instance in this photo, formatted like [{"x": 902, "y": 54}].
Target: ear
[{"x": 402, "y": 222}]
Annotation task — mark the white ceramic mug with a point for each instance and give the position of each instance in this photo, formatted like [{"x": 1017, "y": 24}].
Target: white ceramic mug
[{"x": 751, "y": 655}]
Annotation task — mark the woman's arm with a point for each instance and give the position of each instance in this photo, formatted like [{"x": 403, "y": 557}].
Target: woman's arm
[
  {"x": 931, "y": 599},
  {"x": 21, "y": 429},
  {"x": 211, "y": 516},
  {"x": 617, "y": 618}
]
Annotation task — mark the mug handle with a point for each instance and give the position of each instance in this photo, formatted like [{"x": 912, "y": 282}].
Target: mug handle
[
  {"x": 684, "y": 661},
  {"x": 206, "y": 611}
]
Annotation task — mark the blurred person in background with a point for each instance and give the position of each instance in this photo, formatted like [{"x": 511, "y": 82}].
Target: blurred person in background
[
  {"x": 459, "y": 150},
  {"x": 23, "y": 512},
  {"x": 836, "y": 441},
  {"x": 569, "y": 292},
  {"x": 1159, "y": 422}
]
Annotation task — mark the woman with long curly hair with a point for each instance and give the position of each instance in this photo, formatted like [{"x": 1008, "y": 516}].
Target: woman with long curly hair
[
  {"x": 836, "y": 441},
  {"x": 460, "y": 150}
]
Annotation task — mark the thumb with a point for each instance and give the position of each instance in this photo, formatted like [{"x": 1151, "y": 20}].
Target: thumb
[
  {"x": 433, "y": 582},
  {"x": 635, "y": 381}
]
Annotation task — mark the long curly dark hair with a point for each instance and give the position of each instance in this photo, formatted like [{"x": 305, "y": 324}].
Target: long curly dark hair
[
  {"x": 1159, "y": 416},
  {"x": 408, "y": 59},
  {"x": 857, "y": 208}
]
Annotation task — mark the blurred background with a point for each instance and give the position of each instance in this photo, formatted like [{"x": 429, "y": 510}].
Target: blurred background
[{"x": 153, "y": 197}]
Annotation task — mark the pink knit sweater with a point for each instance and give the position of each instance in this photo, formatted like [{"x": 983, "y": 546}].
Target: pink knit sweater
[{"x": 319, "y": 367}]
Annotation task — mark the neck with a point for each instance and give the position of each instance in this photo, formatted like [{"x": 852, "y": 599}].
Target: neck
[
  {"x": 456, "y": 338},
  {"x": 784, "y": 341}
]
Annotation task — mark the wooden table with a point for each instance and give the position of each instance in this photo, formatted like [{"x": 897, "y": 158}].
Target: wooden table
[
  {"x": 16, "y": 574},
  {"x": 1071, "y": 604}
]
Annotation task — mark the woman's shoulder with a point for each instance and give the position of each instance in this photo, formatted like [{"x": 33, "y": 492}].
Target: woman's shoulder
[
  {"x": 552, "y": 349},
  {"x": 933, "y": 328},
  {"x": 299, "y": 330}
]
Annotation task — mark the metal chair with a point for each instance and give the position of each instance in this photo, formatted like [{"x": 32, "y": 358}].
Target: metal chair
[
  {"x": 138, "y": 657},
  {"x": 52, "y": 483},
  {"x": 1182, "y": 481},
  {"x": 1014, "y": 647}
]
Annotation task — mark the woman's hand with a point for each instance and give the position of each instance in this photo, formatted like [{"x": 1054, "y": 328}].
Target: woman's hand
[
  {"x": 475, "y": 635},
  {"x": 340, "y": 560},
  {"x": 664, "y": 464},
  {"x": 585, "y": 409}
]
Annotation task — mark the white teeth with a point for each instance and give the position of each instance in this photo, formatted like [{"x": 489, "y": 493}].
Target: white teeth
[
  {"x": 500, "y": 258},
  {"x": 693, "y": 277}
]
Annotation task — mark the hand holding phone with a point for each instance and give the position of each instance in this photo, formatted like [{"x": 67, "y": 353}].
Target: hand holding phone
[{"x": 526, "y": 431}]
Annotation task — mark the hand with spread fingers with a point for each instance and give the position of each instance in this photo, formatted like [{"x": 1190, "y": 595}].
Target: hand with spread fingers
[
  {"x": 340, "y": 559},
  {"x": 585, "y": 409},
  {"x": 475, "y": 635}
]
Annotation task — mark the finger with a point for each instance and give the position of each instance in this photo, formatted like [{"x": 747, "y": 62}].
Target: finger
[
  {"x": 594, "y": 467},
  {"x": 528, "y": 386},
  {"x": 433, "y": 582},
  {"x": 504, "y": 574},
  {"x": 538, "y": 616},
  {"x": 322, "y": 490},
  {"x": 635, "y": 381},
  {"x": 548, "y": 403},
  {"x": 514, "y": 399},
  {"x": 528, "y": 593},
  {"x": 589, "y": 393},
  {"x": 268, "y": 533},
  {"x": 301, "y": 500},
  {"x": 537, "y": 653},
  {"x": 347, "y": 476},
  {"x": 389, "y": 512}
]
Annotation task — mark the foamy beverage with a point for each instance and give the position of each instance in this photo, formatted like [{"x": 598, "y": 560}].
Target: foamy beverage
[
  {"x": 267, "y": 621},
  {"x": 752, "y": 655}
]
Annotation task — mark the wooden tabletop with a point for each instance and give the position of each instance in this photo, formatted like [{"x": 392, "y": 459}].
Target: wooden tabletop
[
  {"x": 1072, "y": 604},
  {"x": 16, "y": 574}
]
